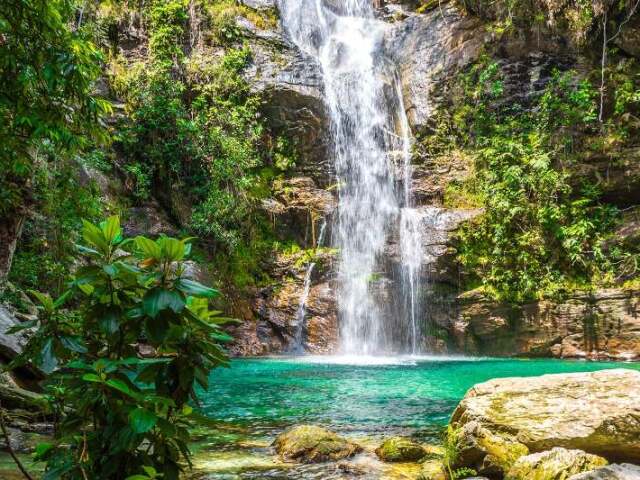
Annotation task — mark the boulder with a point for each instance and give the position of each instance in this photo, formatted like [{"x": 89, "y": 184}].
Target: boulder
[
  {"x": 555, "y": 464},
  {"x": 486, "y": 452},
  {"x": 400, "y": 449},
  {"x": 312, "y": 444},
  {"x": 625, "y": 471},
  {"x": 14, "y": 397},
  {"x": 598, "y": 412},
  {"x": 11, "y": 345}
]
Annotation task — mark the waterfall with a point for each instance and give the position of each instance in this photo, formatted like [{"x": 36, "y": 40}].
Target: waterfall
[
  {"x": 298, "y": 345},
  {"x": 368, "y": 129}
]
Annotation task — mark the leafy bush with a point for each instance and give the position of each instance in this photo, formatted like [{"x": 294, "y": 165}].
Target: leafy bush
[
  {"x": 541, "y": 231},
  {"x": 125, "y": 361}
]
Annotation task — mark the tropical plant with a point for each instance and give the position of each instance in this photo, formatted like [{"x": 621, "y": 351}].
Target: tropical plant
[
  {"x": 125, "y": 361},
  {"x": 47, "y": 71}
]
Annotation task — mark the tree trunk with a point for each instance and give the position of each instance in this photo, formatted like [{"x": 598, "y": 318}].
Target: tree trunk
[{"x": 10, "y": 229}]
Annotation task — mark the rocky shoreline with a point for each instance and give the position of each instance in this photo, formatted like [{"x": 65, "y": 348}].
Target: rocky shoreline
[{"x": 575, "y": 426}]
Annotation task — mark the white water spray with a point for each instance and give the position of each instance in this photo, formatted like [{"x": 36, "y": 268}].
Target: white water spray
[{"x": 369, "y": 125}]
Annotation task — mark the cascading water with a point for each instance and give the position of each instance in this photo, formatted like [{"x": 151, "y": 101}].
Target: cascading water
[
  {"x": 298, "y": 345},
  {"x": 369, "y": 126}
]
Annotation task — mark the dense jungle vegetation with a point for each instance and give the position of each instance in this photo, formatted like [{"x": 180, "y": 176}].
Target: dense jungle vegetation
[
  {"x": 180, "y": 126},
  {"x": 546, "y": 229}
]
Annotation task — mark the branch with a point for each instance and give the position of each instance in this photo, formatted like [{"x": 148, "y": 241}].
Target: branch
[
  {"x": 605, "y": 42},
  {"x": 625, "y": 21},
  {"x": 10, "y": 449}
]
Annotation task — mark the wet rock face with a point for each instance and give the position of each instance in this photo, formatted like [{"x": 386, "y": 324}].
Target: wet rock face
[
  {"x": 428, "y": 46},
  {"x": 595, "y": 412},
  {"x": 271, "y": 319},
  {"x": 290, "y": 84},
  {"x": 311, "y": 444},
  {"x": 604, "y": 325}
]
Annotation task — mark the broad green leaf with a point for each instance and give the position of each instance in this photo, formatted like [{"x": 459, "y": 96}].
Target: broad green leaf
[
  {"x": 196, "y": 289},
  {"x": 49, "y": 362},
  {"x": 73, "y": 343},
  {"x": 142, "y": 420},
  {"x": 122, "y": 387},
  {"x": 172, "y": 249},
  {"x": 91, "y": 377},
  {"x": 150, "y": 471},
  {"x": 45, "y": 300},
  {"x": 62, "y": 298},
  {"x": 149, "y": 248},
  {"x": 159, "y": 299},
  {"x": 110, "y": 270},
  {"x": 109, "y": 321},
  {"x": 87, "y": 250},
  {"x": 111, "y": 229},
  {"x": 42, "y": 449},
  {"x": 94, "y": 236}
]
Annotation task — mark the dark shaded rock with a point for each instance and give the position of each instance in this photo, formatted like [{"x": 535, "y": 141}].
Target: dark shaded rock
[
  {"x": 299, "y": 209},
  {"x": 312, "y": 444},
  {"x": 14, "y": 397},
  {"x": 149, "y": 219},
  {"x": 486, "y": 452}
]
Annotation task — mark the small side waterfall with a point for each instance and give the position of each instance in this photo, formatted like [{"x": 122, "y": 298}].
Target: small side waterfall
[
  {"x": 298, "y": 346},
  {"x": 372, "y": 143}
]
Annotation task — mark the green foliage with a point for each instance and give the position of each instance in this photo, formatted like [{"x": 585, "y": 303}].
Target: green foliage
[
  {"x": 46, "y": 250},
  {"x": 541, "y": 231},
  {"x": 223, "y": 14},
  {"x": 118, "y": 412},
  {"x": 451, "y": 441},
  {"x": 47, "y": 71}
]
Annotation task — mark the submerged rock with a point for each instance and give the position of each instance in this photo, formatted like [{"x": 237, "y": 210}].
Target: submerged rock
[
  {"x": 625, "y": 471},
  {"x": 598, "y": 412},
  {"x": 400, "y": 449},
  {"x": 555, "y": 464},
  {"x": 312, "y": 444}
]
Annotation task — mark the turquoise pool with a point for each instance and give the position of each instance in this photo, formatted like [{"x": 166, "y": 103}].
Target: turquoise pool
[{"x": 367, "y": 399}]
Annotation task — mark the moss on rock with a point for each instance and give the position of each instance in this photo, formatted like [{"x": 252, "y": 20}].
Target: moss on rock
[
  {"x": 312, "y": 444},
  {"x": 400, "y": 449},
  {"x": 556, "y": 464}
]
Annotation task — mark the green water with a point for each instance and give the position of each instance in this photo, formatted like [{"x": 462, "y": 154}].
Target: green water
[
  {"x": 256, "y": 399},
  {"x": 250, "y": 403}
]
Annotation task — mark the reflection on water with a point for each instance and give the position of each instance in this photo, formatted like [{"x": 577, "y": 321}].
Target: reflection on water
[{"x": 366, "y": 399}]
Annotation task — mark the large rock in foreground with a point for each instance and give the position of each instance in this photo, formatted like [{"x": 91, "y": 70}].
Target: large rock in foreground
[
  {"x": 625, "y": 471},
  {"x": 598, "y": 412},
  {"x": 555, "y": 464},
  {"x": 311, "y": 444}
]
